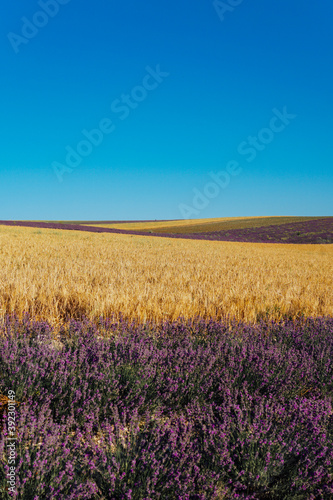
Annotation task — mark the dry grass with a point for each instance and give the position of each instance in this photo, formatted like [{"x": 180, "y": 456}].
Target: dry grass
[{"x": 52, "y": 274}]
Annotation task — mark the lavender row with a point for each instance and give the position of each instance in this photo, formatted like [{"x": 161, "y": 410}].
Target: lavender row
[{"x": 186, "y": 410}]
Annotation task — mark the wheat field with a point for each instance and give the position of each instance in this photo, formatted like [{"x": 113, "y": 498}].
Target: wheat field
[
  {"x": 55, "y": 274},
  {"x": 202, "y": 225}
]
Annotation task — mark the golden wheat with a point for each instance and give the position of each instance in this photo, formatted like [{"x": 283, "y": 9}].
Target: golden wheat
[
  {"x": 202, "y": 225},
  {"x": 52, "y": 274},
  {"x": 167, "y": 224}
]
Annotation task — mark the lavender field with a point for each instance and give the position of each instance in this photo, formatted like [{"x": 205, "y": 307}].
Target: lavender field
[
  {"x": 315, "y": 231},
  {"x": 186, "y": 410},
  {"x": 312, "y": 231}
]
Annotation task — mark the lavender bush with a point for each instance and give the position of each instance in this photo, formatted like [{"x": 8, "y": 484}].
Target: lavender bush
[{"x": 185, "y": 410}]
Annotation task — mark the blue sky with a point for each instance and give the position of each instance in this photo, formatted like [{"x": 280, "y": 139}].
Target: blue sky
[{"x": 165, "y": 96}]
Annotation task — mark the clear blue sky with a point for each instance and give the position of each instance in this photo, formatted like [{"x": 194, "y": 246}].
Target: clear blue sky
[{"x": 181, "y": 91}]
